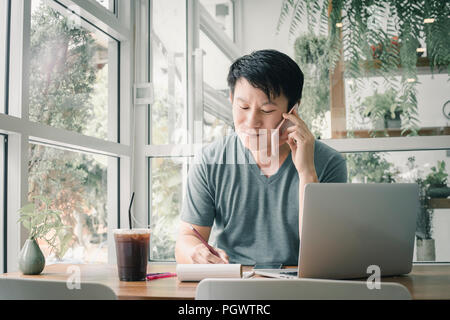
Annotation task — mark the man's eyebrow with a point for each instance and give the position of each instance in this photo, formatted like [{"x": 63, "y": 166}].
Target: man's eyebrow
[
  {"x": 269, "y": 102},
  {"x": 263, "y": 104},
  {"x": 242, "y": 99}
]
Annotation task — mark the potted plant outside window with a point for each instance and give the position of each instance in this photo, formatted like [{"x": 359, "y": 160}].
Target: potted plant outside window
[
  {"x": 383, "y": 110},
  {"x": 436, "y": 182},
  {"x": 424, "y": 235}
]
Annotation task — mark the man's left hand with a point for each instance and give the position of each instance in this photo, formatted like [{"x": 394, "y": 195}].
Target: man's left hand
[{"x": 301, "y": 141}]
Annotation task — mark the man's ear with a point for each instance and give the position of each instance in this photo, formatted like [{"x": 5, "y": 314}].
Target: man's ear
[
  {"x": 297, "y": 105},
  {"x": 231, "y": 97}
]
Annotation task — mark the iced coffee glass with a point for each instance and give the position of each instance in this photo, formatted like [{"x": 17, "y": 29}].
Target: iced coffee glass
[{"x": 132, "y": 253}]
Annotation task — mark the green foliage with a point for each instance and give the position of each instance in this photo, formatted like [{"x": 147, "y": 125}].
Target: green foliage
[
  {"x": 166, "y": 206},
  {"x": 424, "y": 228},
  {"x": 378, "y": 37},
  {"x": 437, "y": 176},
  {"x": 311, "y": 54},
  {"x": 425, "y": 217},
  {"x": 61, "y": 72},
  {"x": 380, "y": 105},
  {"x": 67, "y": 90},
  {"x": 370, "y": 167},
  {"x": 45, "y": 223}
]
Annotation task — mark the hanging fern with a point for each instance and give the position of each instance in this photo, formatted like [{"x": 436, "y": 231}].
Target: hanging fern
[{"x": 378, "y": 38}]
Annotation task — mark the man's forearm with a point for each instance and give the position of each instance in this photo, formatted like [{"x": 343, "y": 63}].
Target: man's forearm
[
  {"x": 304, "y": 180},
  {"x": 185, "y": 244}
]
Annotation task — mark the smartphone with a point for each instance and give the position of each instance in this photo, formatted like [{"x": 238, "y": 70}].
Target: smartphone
[
  {"x": 268, "y": 266},
  {"x": 285, "y": 123},
  {"x": 278, "y": 132}
]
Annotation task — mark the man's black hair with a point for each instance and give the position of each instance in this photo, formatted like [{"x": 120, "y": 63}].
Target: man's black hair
[{"x": 271, "y": 71}]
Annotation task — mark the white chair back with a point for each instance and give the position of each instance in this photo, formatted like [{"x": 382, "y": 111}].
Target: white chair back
[
  {"x": 36, "y": 289},
  {"x": 297, "y": 289}
]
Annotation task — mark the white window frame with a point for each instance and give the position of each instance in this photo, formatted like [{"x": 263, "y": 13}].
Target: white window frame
[
  {"x": 213, "y": 31},
  {"x": 21, "y": 131},
  {"x": 2, "y": 203},
  {"x": 141, "y": 113},
  {"x": 4, "y": 7}
]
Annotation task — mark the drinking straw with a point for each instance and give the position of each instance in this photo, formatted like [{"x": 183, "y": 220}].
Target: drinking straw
[{"x": 129, "y": 211}]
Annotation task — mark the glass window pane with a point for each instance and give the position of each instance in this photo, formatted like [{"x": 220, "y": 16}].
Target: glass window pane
[
  {"x": 366, "y": 118},
  {"x": 168, "y": 45},
  {"x": 215, "y": 65},
  {"x": 3, "y": 37},
  {"x": 383, "y": 85},
  {"x": 216, "y": 92},
  {"x": 222, "y": 12},
  {"x": 108, "y": 4},
  {"x": 69, "y": 78},
  {"x": 166, "y": 186},
  {"x": 428, "y": 168},
  {"x": 214, "y": 128},
  {"x": 76, "y": 183}
]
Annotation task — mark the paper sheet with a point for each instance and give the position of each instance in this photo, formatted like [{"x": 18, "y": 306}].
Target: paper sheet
[{"x": 198, "y": 272}]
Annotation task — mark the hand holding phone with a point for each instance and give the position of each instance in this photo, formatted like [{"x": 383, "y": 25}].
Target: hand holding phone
[{"x": 280, "y": 129}]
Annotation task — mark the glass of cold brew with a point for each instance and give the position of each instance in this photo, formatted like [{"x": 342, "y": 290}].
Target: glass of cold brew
[{"x": 132, "y": 247}]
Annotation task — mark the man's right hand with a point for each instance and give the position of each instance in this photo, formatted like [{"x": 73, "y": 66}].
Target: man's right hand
[
  {"x": 201, "y": 254},
  {"x": 189, "y": 248}
]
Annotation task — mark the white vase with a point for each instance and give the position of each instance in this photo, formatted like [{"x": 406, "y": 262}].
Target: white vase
[{"x": 426, "y": 250}]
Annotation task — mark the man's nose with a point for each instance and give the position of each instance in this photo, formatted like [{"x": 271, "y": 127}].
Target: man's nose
[{"x": 253, "y": 119}]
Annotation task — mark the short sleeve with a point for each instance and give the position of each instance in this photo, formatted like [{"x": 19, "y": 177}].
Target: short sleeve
[
  {"x": 198, "y": 204},
  {"x": 335, "y": 170}
]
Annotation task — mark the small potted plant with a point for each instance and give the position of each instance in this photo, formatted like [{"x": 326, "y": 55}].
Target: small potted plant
[
  {"x": 424, "y": 235},
  {"x": 425, "y": 244},
  {"x": 42, "y": 222},
  {"x": 436, "y": 182},
  {"x": 383, "y": 109}
]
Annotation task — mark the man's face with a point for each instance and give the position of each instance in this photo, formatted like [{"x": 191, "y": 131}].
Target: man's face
[{"x": 255, "y": 115}]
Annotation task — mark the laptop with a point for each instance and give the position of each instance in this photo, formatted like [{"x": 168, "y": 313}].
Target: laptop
[{"x": 348, "y": 228}]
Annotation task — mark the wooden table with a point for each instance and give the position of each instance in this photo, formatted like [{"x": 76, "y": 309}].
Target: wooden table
[{"x": 424, "y": 282}]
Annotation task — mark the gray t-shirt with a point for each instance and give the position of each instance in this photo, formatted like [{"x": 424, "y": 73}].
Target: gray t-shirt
[{"x": 255, "y": 218}]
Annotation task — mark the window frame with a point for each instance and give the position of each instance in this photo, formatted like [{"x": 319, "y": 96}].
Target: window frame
[
  {"x": 21, "y": 131},
  {"x": 4, "y": 57},
  {"x": 3, "y": 193}
]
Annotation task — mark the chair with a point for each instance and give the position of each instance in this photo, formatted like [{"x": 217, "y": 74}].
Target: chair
[
  {"x": 297, "y": 289},
  {"x": 36, "y": 289}
]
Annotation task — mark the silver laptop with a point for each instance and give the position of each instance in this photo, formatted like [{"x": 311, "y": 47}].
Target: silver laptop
[{"x": 348, "y": 228}]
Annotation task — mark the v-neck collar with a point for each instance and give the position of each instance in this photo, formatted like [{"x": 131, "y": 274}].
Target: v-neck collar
[{"x": 250, "y": 161}]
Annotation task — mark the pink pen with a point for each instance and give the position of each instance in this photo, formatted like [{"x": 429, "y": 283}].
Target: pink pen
[
  {"x": 211, "y": 249},
  {"x": 161, "y": 275}
]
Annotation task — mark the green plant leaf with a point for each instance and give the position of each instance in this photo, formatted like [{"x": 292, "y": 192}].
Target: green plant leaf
[{"x": 27, "y": 209}]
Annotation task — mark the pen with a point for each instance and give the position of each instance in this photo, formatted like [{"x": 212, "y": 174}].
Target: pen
[
  {"x": 211, "y": 249},
  {"x": 154, "y": 276}
]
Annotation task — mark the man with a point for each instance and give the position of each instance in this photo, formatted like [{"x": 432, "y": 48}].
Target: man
[{"x": 255, "y": 204}]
